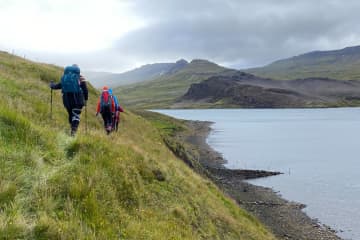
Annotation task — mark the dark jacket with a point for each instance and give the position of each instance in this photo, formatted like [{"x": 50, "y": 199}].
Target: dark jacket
[{"x": 74, "y": 100}]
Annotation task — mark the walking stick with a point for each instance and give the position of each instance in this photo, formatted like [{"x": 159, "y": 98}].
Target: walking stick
[
  {"x": 85, "y": 119},
  {"x": 51, "y": 100}
]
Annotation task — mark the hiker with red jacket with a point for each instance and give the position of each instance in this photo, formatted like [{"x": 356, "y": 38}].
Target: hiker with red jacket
[
  {"x": 74, "y": 94},
  {"x": 118, "y": 110},
  {"x": 106, "y": 106}
]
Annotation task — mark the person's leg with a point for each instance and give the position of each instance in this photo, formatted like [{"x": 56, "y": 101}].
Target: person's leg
[
  {"x": 74, "y": 111},
  {"x": 75, "y": 119},
  {"x": 70, "y": 116},
  {"x": 103, "y": 115},
  {"x": 69, "y": 110},
  {"x": 112, "y": 121},
  {"x": 73, "y": 107},
  {"x": 117, "y": 119},
  {"x": 108, "y": 122}
]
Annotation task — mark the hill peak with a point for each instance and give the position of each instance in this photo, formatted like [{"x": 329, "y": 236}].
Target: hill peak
[
  {"x": 181, "y": 61},
  {"x": 201, "y": 61},
  {"x": 140, "y": 74}
]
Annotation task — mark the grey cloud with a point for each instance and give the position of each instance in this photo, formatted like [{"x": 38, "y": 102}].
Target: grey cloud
[
  {"x": 109, "y": 61},
  {"x": 251, "y": 32},
  {"x": 231, "y": 32}
]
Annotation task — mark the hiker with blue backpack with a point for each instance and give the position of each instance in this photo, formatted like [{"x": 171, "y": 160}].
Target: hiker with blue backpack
[
  {"x": 106, "y": 107},
  {"x": 118, "y": 110},
  {"x": 74, "y": 94}
]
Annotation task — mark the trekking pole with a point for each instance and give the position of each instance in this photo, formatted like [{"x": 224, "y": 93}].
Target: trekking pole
[
  {"x": 51, "y": 101},
  {"x": 85, "y": 119}
]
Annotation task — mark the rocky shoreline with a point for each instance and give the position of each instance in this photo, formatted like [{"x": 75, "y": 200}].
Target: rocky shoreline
[{"x": 284, "y": 218}]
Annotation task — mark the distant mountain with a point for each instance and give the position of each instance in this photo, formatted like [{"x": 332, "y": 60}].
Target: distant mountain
[
  {"x": 163, "y": 91},
  {"x": 96, "y": 78},
  {"x": 248, "y": 91},
  {"x": 141, "y": 74},
  {"x": 338, "y": 64}
]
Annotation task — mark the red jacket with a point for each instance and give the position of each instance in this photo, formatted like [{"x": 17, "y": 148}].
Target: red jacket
[{"x": 106, "y": 96}]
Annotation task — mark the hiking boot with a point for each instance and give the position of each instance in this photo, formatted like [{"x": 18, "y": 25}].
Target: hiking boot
[
  {"x": 73, "y": 132},
  {"x": 108, "y": 129}
]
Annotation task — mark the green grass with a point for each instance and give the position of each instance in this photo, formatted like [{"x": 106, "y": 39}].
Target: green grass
[{"x": 128, "y": 185}]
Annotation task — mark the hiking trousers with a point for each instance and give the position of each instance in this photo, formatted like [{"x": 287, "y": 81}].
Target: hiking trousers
[
  {"x": 74, "y": 117},
  {"x": 73, "y": 104},
  {"x": 107, "y": 117},
  {"x": 116, "y": 118}
]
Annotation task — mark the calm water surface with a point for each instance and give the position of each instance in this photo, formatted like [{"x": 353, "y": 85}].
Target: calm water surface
[{"x": 317, "y": 149}]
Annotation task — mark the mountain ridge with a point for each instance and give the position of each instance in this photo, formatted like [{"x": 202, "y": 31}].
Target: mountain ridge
[
  {"x": 144, "y": 73},
  {"x": 164, "y": 90},
  {"x": 339, "y": 64}
]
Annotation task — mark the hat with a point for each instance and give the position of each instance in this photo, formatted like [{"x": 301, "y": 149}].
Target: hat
[{"x": 105, "y": 88}]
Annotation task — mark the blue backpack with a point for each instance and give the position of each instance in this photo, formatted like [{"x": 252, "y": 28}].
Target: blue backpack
[{"x": 70, "y": 81}]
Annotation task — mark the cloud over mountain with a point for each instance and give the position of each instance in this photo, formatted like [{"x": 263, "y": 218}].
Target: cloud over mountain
[{"x": 235, "y": 33}]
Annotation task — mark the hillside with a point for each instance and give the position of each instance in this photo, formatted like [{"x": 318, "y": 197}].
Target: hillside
[
  {"x": 338, "y": 64},
  {"x": 248, "y": 91},
  {"x": 126, "y": 186},
  {"x": 163, "y": 91},
  {"x": 141, "y": 74}
]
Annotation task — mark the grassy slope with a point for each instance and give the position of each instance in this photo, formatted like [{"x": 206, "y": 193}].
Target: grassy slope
[
  {"x": 162, "y": 92},
  {"x": 341, "y": 64},
  {"x": 127, "y": 186}
]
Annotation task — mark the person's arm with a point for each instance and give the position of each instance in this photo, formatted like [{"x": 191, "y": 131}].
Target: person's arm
[
  {"x": 120, "y": 108},
  {"x": 55, "y": 86},
  {"x": 84, "y": 87}
]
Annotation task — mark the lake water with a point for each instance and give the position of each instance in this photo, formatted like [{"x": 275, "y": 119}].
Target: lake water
[{"x": 317, "y": 149}]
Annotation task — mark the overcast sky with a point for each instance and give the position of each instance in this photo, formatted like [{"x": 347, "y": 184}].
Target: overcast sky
[{"x": 117, "y": 35}]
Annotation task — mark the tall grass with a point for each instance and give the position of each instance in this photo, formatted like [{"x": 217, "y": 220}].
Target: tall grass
[{"x": 124, "y": 186}]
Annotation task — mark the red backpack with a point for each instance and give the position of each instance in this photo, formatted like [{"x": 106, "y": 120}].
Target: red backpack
[{"x": 105, "y": 102}]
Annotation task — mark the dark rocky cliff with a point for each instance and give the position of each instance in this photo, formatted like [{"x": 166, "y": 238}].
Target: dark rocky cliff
[{"x": 246, "y": 90}]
